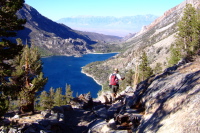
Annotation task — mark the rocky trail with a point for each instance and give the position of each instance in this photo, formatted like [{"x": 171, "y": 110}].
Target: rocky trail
[{"x": 164, "y": 103}]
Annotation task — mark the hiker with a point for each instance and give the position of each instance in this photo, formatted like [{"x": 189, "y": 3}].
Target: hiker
[{"x": 114, "y": 82}]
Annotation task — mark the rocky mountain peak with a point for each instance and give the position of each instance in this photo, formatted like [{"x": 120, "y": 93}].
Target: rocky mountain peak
[
  {"x": 175, "y": 10},
  {"x": 109, "y": 25}
]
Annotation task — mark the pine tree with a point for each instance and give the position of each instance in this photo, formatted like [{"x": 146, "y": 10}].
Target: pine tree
[
  {"x": 58, "y": 97},
  {"x": 51, "y": 97},
  {"x": 28, "y": 77},
  {"x": 196, "y": 35},
  {"x": 46, "y": 99},
  {"x": 9, "y": 25},
  {"x": 187, "y": 41},
  {"x": 145, "y": 69},
  {"x": 188, "y": 33},
  {"x": 175, "y": 55},
  {"x": 68, "y": 94},
  {"x": 43, "y": 100}
]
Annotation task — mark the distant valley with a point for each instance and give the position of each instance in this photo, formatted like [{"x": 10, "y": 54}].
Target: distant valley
[
  {"x": 58, "y": 39},
  {"x": 109, "y": 25},
  {"x": 66, "y": 37}
]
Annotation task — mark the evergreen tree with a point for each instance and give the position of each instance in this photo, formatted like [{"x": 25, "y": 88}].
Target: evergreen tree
[
  {"x": 28, "y": 77},
  {"x": 196, "y": 35},
  {"x": 175, "y": 55},
  {"x": 9, "y": 22},
  {"x": 145, "y": 69},
  {"x": 51, "y": 97},
  {"x": 68, "y": 94},
  {"x": 188, "y": 38},
  {"x": 9, "y": 25},
  {"x": 43, "y": 100},
  {"x": 58, "y": 97},
  {"x": 188, "y": 32},
  {"x": 46, "y": 99}
]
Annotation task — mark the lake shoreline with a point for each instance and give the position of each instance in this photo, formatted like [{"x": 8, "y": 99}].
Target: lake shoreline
[
  {"x": 91, "y": 62},
  {"x": 78, "y": 56},
  {"x": 91, "y": 77}
]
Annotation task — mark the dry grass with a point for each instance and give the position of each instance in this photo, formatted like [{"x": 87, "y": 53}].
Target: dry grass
[{"x": 192, "y": 67}]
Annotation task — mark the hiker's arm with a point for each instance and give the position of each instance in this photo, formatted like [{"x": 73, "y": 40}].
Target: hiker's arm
[
  {"x": 123, "y": 78},
  {"x": 119, "y": 77}
]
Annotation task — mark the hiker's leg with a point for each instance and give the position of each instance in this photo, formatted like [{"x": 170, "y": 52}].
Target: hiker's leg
[
  {"x": 116, "y": 90},
  {"x": 113, "y": 92}
]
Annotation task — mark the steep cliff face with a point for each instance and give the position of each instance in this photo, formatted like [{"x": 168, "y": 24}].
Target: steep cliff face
[{"x": 51, "y": 36}]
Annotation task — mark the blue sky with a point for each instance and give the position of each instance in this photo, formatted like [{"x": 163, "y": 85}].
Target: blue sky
[{"x": 57, "y": 9}]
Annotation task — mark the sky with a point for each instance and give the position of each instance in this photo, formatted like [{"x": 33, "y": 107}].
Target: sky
[{"x": 57, "y": 9}]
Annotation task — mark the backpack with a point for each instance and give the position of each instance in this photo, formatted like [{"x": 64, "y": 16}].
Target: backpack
[{"x": 113, "y": 80}]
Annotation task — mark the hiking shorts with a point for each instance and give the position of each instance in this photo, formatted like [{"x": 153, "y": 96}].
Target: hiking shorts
[{"x": 115, "y": 88}]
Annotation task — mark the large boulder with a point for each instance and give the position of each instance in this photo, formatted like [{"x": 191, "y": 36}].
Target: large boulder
[
  {"x": 105, "y": 97},
  {"x": 84, "y": 101}
]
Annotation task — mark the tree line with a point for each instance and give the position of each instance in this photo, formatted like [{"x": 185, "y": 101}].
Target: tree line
[{"x": 54, "y": 97}]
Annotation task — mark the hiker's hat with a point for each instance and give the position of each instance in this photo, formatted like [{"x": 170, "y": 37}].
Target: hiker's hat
[{"x": 116, "y": 70}]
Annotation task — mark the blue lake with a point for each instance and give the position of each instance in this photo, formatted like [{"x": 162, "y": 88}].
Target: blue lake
[{"x": 62, "y": 70}]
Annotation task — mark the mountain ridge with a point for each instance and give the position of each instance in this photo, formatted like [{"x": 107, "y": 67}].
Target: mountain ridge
[
  {"x": 42, "y": 31},
  {"x": 55, "y": 38},
  {"x": 170, "y": 11},
  {"x": 110, "y": 25}
]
